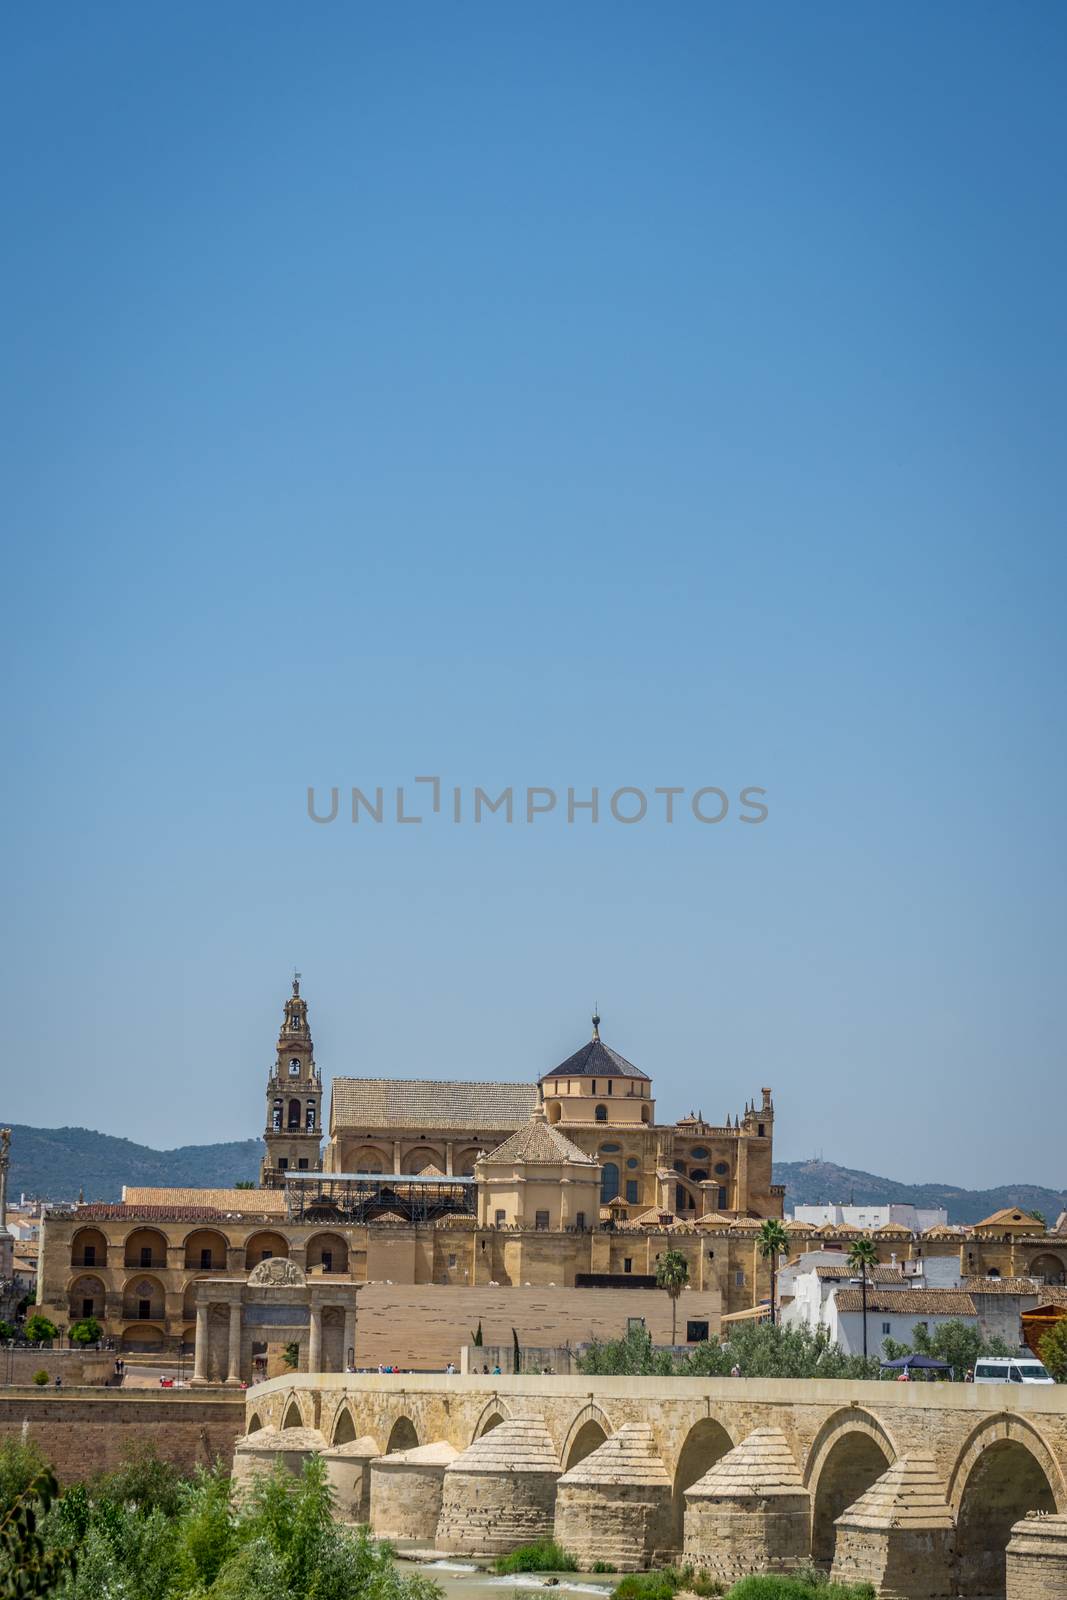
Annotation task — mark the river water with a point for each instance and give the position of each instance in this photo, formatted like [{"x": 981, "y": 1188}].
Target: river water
[{"x": 465, "y": 1580}]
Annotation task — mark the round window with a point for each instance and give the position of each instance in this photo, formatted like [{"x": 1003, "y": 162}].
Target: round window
[
  {"x": 721, "y": 1169},
  {"x": 699, "y": 1155},
  {"x": 633, "y": 1162}
]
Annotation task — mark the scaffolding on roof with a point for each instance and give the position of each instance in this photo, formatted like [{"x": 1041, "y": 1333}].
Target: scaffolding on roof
[{"x": 354, "y": 1197}]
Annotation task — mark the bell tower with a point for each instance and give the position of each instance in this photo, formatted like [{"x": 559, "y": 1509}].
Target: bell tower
[{"x": 294, "y": 1099}]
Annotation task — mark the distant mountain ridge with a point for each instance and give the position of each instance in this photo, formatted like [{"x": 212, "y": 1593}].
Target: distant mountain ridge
[
  {"x": 812, "y": 1183},
  {"x": 58, "y": 1163}
]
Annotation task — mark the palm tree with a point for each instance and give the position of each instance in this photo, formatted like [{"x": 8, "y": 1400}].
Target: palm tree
[
  {"x": 773, "y": 1243},
  {"x": 862, "y": 1255},
  {"x": 672, "y": 1274}
]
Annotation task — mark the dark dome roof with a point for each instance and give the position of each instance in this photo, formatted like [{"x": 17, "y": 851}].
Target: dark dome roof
[{"x": 596, "y": 1060}]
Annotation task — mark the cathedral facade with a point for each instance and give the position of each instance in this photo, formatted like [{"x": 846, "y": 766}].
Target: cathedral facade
[{"x": 566, "y": 1183}]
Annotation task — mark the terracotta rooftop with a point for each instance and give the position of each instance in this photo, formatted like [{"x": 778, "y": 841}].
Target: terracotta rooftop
[
  {"x": 1014, "y": 1219},
  {"x": 251, "y": 1202},
  {"x": 909, "y": 1302},
  {"x": 999, "y": 1286},
  {"x": 538, "y": 1144},
  {"x": 844, "y": 1273},
  {"x": 426, "y": 1104}
]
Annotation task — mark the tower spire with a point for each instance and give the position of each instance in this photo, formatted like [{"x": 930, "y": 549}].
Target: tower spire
[{"x": 596, "y": 1023}]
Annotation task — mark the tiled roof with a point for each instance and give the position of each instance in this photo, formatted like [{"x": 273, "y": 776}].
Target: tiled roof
[
  {"x": 908, "y": 1302},
  {"x": 844, "y": 1272},
  {"x": 1013, "y": 1217},
  {"x": 596, "y": 1060},
  {"x": 540, "y": 1145},
  {"x": 1051, "y": 1294},
  {"x": 425, "y": 1104},
  {"x": 999, "y": 1286},
  {"x": 250, "y": 1202},
  {"x": 654, "y": 1218},
  {"x": 122, "y": 1213}
]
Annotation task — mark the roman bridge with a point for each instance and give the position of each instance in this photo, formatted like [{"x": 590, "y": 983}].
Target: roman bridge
[{"x": 968, "y": 1461}]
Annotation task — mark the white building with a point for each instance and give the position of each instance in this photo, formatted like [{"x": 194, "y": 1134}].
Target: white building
[
  {"x": 916, "y": 1219},
  {"x": 892, "y": 1314},
  {"x": 806, "y": 1285}
]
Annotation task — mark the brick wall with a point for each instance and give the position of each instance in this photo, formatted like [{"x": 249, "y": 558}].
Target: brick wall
[{"x": 82, "y": 1432}]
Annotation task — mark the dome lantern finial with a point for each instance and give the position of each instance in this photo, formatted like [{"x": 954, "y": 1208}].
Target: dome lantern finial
[
  {"x": 296, "y": 984},
  {"x": 596, "y": 1023}
]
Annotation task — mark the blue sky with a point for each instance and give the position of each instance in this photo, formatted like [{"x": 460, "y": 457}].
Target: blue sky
[{"x": 561, "y": 395}]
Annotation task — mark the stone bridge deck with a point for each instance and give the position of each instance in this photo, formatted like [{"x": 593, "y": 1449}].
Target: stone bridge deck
[
  {"x": 954, "y": 1422},
  {"x": 969, "y": 1460}
]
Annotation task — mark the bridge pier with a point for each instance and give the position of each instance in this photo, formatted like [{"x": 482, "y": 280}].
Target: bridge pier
[
  {"x": 616, "y": 1504},
  {"x": 1037, "y": 1559},
  {"x": 900, "y": 1536},
  {"x": 501, "y": 1492},
  {"x": 405, "y": 1491},
  {"x": 750, "y": 1513}
]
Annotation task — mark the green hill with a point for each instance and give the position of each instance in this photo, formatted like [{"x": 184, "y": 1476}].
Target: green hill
[
  {"x": 812, "y": 1183},
  {"x": 57, "y": 1163}
]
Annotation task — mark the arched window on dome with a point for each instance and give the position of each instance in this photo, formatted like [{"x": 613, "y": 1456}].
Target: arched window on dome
[{"x": 609, "y": 1182}]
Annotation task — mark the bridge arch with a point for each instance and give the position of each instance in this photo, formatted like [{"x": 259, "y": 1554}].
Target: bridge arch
[
  {"x": 1004, "y": 1470},
  {"x": 293, "y": 1417},
  {"x": 344, "y": 1429},
  {"x": 403, "y": 1435},
  {"x": 254, "y": 1424},
  {"x": 491, "y": 1417},
  {"x": 706, "y": 1442},
  {"x": 586, "y": 1433},
  {"x": 851, "y": 1450}
]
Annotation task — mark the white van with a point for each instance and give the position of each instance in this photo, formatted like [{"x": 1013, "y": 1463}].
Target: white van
[{"x": 1010, "y": 1369}]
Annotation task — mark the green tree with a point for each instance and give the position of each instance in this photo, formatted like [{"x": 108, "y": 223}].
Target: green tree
[
  {"x": 768, "y": 1350},
  {"x": 244, "y": 1183},
  {"x": 773, "y": 1244},
  {"x": 40, "y": 1378},
  {"x": 6, "y": 1330},
  {"x": 862, "y": 1256},
  {"x": 1052, "y": 1348},
  {"x": 632, "y": 1356},
  {"x": 672, "y": 1275},
  {"x": 476, "y": 1337},
  {"x": 1039, "y": 1216},
  {"x": 87, "y": 1331},
  {"x": 291, "y": 1353},
  {"x": 28, "y": 1567},
  {"x": 39, "y": 1330}
]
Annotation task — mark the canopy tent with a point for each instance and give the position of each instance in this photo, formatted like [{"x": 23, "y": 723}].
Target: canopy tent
[{"x": 902, "y": 1363}]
